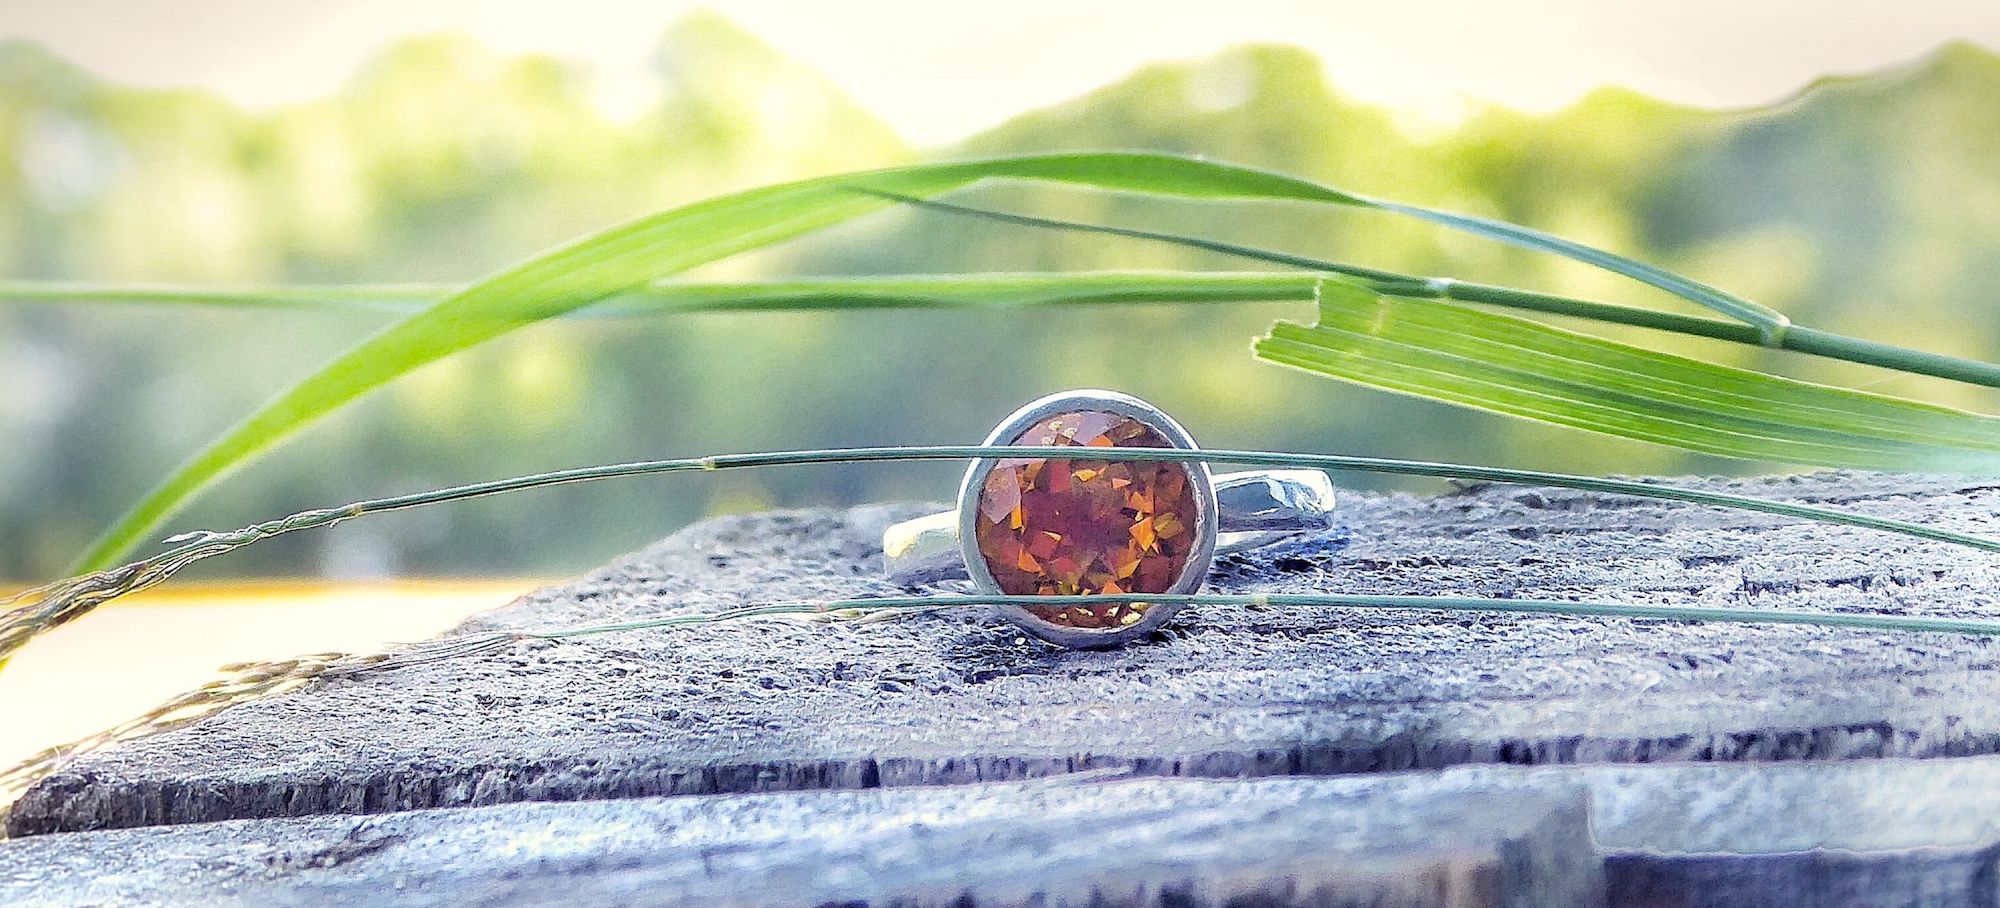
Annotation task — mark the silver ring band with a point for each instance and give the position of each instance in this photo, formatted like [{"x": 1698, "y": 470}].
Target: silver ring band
[
  {"x": 1253, "y": 508},
  {"x": 1078, "y": 525}
]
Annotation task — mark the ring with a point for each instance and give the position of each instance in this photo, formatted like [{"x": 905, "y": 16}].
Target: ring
[{"x": 1079, "y": 526}]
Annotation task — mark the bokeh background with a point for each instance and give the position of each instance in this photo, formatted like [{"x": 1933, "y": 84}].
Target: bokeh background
[{"x": 1862, "y": 195}]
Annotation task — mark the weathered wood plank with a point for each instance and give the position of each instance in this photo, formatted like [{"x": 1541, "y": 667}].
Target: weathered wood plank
[
  {"x": 1852, "y": 834},
  {"x": 1157, "y": 842},
  {"x": 1847, "y": 834},
  {"x": 957, "y": 697}
]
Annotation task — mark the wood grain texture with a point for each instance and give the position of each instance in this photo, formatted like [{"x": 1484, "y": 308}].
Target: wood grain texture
[
  {"x": 1850, "y": 834},
  {"x": 1148, "y": 842},
  {"x": 958, "y": 697}
]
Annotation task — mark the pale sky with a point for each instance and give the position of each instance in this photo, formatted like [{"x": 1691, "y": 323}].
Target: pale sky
[{"x": 940, "y": 70}]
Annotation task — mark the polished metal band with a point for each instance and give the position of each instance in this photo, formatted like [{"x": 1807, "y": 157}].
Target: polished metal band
[{"x": 1254, "y": 508}]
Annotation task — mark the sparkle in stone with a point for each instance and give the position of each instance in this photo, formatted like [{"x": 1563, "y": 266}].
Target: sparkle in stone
[{"x": 1079, "y": 526}]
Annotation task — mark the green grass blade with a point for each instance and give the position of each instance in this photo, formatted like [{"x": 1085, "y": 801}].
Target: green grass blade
[
  {"x": 988, "y": 290},
  {"x": 1795, "y": 338},
  {"x": 367, "y": 298},
  {"x": 1565, "y": 608},
  {"x": 627, "y": 256},
  {"x": 1522, "y": 368},
  {"x": 994, "y": 290},
  {"x": 630, "y": 255},
  {"x": 29, "y": 613},
  {"x": 1769, "y": 322},
  {"x": 665, "y": 297}
]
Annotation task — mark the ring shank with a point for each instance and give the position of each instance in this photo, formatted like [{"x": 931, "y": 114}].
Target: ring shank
[{"x": 1254, "y": 508}]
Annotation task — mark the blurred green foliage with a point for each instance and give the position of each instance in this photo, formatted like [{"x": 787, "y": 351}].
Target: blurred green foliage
[{"x": 1868, "y": 205}]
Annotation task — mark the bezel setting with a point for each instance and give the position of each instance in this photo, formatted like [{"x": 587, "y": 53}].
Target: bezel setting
[{"x": 1202, "y": 482}]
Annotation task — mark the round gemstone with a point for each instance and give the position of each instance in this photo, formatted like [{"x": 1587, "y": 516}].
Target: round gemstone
[{"x": 1081, "y": 526}]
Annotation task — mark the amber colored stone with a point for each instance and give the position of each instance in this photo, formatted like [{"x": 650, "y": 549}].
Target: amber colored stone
[{"x": 1078, "y": 526}]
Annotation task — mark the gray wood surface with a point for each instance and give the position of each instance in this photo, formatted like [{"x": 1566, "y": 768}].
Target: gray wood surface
[
  {"x": 957, "y": 697},
  {"x": 1153, "y": 842},
  {"x": 1849, "y": 834}
]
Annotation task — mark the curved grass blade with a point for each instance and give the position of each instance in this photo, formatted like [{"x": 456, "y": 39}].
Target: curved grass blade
[
  {"x": 1769, "y": 322},
  {"x": 1523, "y": 368},
  {"x": 621, "y": 258},
  {"x": 986, "y": 290},
  {"x": 1795, "y": 338},
  {"x": 35, "y": 611},
  {"x": 948, "y": 291},
  {"x": 1566, "y": 608},
  {"x": 624, "y": 257},
  {"x": 993, "y": 290},
  {"x": 368, "y": 298}
]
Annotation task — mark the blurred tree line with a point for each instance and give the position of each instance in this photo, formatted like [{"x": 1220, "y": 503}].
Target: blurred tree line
[{"x": 1869, "y": 205}]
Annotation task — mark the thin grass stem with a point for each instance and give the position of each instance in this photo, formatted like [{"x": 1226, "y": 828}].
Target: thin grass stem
[
  {"x": 1809, "y": 341},
  {"x": 1555, "y": 607},
  {"x": 65, "y": 600},
  {"x": 1254, "y": 458},
  {"x": 951, "y": 291},
  {"x": 1343, "y": 462},
  {"x": 247, "y": 682},
  {"x": 384, "y": 298}
]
